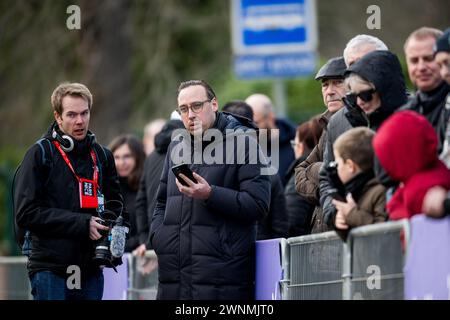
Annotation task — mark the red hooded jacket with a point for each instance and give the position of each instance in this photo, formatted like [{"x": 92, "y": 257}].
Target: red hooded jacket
[{"x": 406, "y": 146}]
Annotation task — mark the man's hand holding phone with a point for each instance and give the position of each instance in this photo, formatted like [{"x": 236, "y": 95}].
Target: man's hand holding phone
[{"x": 194, "y": 186}]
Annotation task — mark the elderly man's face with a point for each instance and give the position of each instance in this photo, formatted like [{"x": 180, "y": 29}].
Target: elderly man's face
[
  {"x": 196, "y": 120},
  {"x": 332, "y": 92},
  {"x": 263, "y": 120},
  {"x": 443, "y": 61},
  {"x": 422, "y": 68}
]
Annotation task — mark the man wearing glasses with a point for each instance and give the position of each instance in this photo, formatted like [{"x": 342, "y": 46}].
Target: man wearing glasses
[{"x": 204, "y": 231}]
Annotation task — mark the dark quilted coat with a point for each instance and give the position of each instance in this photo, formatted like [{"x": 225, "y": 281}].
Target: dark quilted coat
[{"x": 205, "y": 248}]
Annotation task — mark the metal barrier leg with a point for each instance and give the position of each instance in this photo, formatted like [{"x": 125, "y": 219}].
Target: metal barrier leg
[
  {"x": 131, "y": 268},
  {"x": 285, "y": 265},
  {"x": 347, "y": 271}
]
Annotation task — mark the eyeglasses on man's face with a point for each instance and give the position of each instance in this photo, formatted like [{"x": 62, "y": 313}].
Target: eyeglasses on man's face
[{"x": 196, "y": 107}]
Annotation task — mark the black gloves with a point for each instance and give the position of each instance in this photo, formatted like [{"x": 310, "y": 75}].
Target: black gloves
[
  {"x": 354, "y": 114},
  {"x": 329, "y": 212},
  {"x": 336, "y": 190},
  {"x": 336, "y": 186}
]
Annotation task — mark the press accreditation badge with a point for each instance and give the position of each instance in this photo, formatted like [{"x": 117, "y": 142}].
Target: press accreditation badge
[{"x": 88, "y": 194}]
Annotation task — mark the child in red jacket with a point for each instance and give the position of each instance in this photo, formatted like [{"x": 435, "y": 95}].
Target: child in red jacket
[{"x": 406, "y": 146}]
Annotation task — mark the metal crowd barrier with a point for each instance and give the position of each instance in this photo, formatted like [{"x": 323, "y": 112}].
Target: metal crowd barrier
[
  {"x": 318, "y": 266},
  {"x": 14, "y": 283},
  {"x": 378, "y": 255},
  {"x": 368, "y": 266},
  {"x": 314, "y": 267},
  {"x": 142, "y": 277}
]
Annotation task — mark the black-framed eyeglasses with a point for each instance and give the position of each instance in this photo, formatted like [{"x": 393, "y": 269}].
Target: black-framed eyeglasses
[
  {"x": 366, "y": 96},
  {"x": 196, "y": 107}
]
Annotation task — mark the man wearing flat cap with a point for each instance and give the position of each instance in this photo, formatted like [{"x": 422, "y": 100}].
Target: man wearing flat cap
[{"x": 331, "y": 76}]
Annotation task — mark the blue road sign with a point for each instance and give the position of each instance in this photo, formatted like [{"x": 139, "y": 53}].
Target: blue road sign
[
  {"x": 278, "y": 36},
  {"x": 287, "y": 65},
  {"x": 273, "y": 26}
]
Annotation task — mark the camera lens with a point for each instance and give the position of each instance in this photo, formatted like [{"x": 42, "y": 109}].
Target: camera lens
[{"x": 102, "y": 253}]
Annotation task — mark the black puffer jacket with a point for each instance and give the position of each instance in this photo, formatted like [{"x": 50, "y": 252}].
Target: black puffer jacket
[
  {"x": 287, "y": 133},
  {"x": 275, "y": 224},
  {"x": 299, "y": 210},
  {"x": 383, "y": 69},
  {"x": 206, "y": 248},
  {"x": 129, "y": 198},
  {"x": 432, "y": 105},
  {"x": 47, "y": 204},
  {"x": 148, "y": 185}
]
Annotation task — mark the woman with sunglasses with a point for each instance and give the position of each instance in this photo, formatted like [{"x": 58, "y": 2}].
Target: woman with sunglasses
[
  {"x": 376, "y": 89},
  {"x": 376, "y": 86}
]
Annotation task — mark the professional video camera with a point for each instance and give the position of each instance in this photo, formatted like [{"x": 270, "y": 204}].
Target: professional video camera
[{"x": 110, "y": 247}]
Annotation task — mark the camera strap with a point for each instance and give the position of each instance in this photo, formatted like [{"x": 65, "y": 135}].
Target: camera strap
[{"x": 88, "y": 188}]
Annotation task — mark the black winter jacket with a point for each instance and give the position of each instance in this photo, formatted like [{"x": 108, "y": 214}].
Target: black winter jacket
[
  {"x": 47, "y": 204},
  {"x": 432, "y": 106},
  {"x": 287, "y": 133},
  {"x": 275, "y": 224},
  {"x": 205, "y": 248},
  {"x": 299, "y": 210},
  {"x": 129, "y": 198},
  {"x": 148, "y": 185}
]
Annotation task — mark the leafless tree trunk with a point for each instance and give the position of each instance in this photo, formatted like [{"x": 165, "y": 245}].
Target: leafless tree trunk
[{"x": 106, "y": 53}]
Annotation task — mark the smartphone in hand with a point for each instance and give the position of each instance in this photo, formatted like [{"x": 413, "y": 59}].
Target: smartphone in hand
[
  {"x": 337, "y": 196},
  {"x": 184, "y": 169}
]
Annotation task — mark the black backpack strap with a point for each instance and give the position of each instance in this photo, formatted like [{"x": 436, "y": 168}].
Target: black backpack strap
[
  {"x": 19, "y": 234},
  {"x": 47, "y": 149},
  {"x": 23, "y": 237}
]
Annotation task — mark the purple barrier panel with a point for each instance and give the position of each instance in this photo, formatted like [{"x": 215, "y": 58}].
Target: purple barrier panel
[
  {"x": 427, "y": 268},
  {"x": 268, "y": 270},
  {"x": 116, "y": 284}
]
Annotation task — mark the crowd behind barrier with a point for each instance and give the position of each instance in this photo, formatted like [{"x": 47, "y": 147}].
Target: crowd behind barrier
[{"x": 387, "y": 261}]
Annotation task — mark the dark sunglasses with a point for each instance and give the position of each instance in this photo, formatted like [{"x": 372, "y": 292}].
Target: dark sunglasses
[{"x": 365, "y": 96}]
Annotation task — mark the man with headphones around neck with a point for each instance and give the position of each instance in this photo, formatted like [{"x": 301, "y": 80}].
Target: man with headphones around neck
[{"x": 59, "y": 203}]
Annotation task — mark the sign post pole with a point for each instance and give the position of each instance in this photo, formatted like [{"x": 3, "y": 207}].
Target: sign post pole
[{"x": 279, "y": 89}]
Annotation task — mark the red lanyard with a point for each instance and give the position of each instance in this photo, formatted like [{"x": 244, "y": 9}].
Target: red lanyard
[{"x": 66, "y": 159}]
